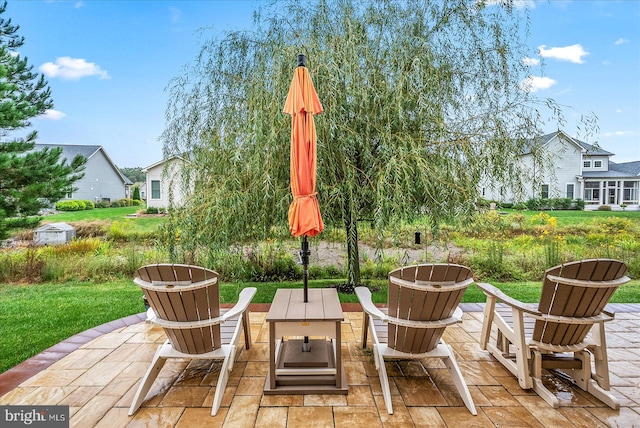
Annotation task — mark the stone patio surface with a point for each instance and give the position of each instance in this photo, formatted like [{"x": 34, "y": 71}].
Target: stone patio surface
[{"x": 97, "y": 372}]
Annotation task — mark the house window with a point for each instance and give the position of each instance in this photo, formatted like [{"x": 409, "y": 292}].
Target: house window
[
  {"x": 155, "y": 189},
  {"x": 597, "y": 164},
  {"x": 592, "y": 192},
  {"x": 68, "y": 193},
  {"x": 570, "y": 188},
  {"x": 630, "y": 192},
  {"x": 586, "y": 164},
  {"x": 545, "y": 191}
]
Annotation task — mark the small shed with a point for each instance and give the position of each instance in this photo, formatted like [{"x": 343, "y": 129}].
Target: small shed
[{"x": 54, "y": 233}]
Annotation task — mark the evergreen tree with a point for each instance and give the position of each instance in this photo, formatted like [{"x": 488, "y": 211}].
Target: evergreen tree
[
  {"x": 136, "y": 193},
  {"x": 134, "y": 174},
  {"x": 29, "y": 180}
]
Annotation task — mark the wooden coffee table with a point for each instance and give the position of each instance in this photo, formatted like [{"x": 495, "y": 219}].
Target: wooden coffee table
[{"x": 291, "y": 370}]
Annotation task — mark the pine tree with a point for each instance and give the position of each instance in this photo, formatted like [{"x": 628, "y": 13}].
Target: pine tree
[{"x": 29, "y": 180}]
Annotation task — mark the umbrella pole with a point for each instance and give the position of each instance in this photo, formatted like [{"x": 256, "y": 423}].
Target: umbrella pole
[{"x": 304, "y": 254}]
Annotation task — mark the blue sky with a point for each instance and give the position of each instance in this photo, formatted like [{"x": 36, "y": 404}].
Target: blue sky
[{"x": 108, "y": 64}]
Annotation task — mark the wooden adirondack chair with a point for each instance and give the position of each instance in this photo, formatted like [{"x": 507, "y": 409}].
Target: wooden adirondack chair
[
  {"x": 184, "y": 301},
  {"x": 532, "y": 337},
  {"x": 423, "y": 301}
]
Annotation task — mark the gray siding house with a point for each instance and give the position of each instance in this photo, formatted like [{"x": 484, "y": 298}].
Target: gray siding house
[
  {"x": 576, "y": 170},
  {"x": 102, "y": 179}
]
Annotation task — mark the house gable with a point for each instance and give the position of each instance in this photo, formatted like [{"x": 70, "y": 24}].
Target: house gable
[{"x": 102, "y": 180}]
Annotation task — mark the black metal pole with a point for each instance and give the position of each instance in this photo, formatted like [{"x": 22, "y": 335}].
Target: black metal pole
[
  {"x": 305, "y": 253},
  {"x": 302, "y": 60}
]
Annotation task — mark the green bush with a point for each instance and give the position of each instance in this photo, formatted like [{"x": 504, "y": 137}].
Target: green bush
[
  {"x": 75, "y": 205},
  {"x": 604, "y": 208},
  {"x": 103, "y": 204},
  {"x": 152, "y": 210},
  {"x": 68, "y": 206}
]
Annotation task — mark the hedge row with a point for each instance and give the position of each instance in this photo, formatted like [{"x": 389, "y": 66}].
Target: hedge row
[{"x": 75, "y": 205}]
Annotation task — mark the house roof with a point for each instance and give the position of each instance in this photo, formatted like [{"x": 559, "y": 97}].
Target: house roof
[
  {"x": 628, "y": 168},
  {"x": 588, "y": 149},
  {"x": 70, "y": 151},
  {"x": 55, "y": 227},
  {"x": 145, "y": 170}
]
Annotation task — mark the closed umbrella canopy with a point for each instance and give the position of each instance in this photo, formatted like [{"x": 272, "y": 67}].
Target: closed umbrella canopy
[{"x": 302, "y": 104}]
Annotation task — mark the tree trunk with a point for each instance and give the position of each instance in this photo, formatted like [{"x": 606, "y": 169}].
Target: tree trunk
[{"x": 351, "y": 227}]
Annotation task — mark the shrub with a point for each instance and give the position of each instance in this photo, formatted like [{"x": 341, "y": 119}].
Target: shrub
[
  {"x": 125, "y": 202},
  {"x": 152, "y": 210},
  {"x": 103, "y": 204},
  {"x": 68, "y": 206},
  {"x": 604, "y": 208},
  {"x": 88, "y": 205},
  {"x": 534, "y": 204},
  {"x": 579, "y": 204}
]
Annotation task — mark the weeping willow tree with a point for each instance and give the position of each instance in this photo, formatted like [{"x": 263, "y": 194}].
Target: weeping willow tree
[{"x": 421, "y": 100}]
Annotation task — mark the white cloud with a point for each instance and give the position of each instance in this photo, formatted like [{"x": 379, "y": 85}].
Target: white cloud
[
  {"x": 51, "y": 114},
  {"x": 536, "y": 83},
  {"x": 573, "y": 53},
  {"x": 619, "y": 134},
  {"x": 518, "y": 4},
  {"x": 175, "y": 13},
  {"x": 618, "y": 110},
  {"x": 606, "y": 62},
  {"x": 68, "y": 68},
  {"x": 621, "y": 41},
  {"x": 531, "y": 61}
]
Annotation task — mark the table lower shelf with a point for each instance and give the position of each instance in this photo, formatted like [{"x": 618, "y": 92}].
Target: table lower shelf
[{"x": 311, "y": 372}]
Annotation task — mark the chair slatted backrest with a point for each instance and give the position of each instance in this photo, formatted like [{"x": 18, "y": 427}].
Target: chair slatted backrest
[
  {"x": 173, "y": 294},
  {"x": 590, "y": 285},
  {"x": 426, "y": 292}
]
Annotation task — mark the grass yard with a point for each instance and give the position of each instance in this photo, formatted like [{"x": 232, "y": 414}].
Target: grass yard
[
  {"x": 141, "y": 224},
  {"x": 37, "y": 316}
]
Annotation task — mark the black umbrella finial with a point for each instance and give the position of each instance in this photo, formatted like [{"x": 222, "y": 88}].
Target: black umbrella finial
[{"x": 302, "y": 60}]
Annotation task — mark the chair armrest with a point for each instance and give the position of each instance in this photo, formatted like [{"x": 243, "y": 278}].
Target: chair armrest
[
  {"x": 364, "y": 296},
  {"x": 243, "y": 302},
  {"x": 245, "y": 297},
  {"x": 490, "y": 290}
]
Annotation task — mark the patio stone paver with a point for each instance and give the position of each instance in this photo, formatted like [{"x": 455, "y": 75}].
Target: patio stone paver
[{"x": 96, "y": 374}]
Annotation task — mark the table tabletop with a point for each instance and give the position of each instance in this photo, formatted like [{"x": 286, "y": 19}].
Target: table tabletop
[{"x": 288, "y": 305}]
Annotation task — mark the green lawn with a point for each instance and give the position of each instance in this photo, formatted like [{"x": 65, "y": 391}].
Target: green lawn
[
  {"x": 571, "y": 217},
  {"x": 37, "y": 316},
  {"x": 141, "y": 224}
]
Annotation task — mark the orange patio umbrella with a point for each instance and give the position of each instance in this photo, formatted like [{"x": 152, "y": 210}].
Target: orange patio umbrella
[{"x": 304, "y": 213}]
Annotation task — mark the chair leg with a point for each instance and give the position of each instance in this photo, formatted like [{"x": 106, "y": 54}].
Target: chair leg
[
  {"x": 521, "y": 351},
  {"x": 365, "y": 328},
  {"x": 247, "y": 329},
  {"x": 591, "y": 385},
  {"x": 538, "y": 386},
  {"x": 145, "y": 383},
  {"x": 458, "y": 381},
  {"x": 227, "y": 366},
  {"x": 489, "y": 307},
  {"x": 384, "y": 380}
]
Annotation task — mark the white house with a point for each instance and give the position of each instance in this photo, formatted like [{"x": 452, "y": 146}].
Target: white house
[
  {"x": 576, "y": 170},
  {"x": 164, "y": 183}
]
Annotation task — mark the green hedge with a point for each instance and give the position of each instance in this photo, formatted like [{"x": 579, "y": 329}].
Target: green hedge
[{"x": 75, "y": 205}]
